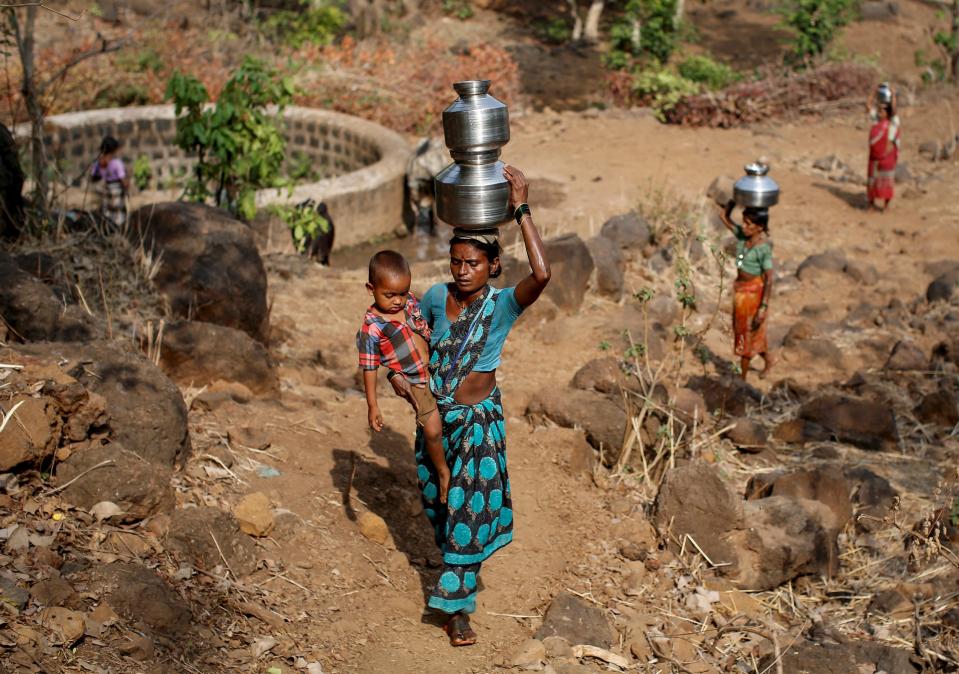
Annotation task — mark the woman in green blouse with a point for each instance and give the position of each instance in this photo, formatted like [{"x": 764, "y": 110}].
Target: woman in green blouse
[{"x": 754, "y": 284}]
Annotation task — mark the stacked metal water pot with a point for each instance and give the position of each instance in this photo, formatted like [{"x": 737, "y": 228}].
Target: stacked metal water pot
[
  {"x": 756, "y": 189},
  {"x": 472, "y": 193}
]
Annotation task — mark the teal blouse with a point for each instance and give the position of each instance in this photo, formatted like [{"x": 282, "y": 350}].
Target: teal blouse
[
  {"x": 433, "y": 305},
  {"x": 755, "y": 260}
]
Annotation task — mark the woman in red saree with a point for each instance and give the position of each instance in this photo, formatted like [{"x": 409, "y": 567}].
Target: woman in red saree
[{"x": 883, "y": 152}]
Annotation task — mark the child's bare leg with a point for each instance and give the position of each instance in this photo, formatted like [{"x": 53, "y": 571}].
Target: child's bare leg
[
  {"x": 433, "y": 435},
  {"x": 744, "y": 366}
]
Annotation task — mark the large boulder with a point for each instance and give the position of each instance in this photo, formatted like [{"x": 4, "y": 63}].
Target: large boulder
[
  {"x": 721, "y": 190},
  {"x": 694, "y": 500},
  {"x": 864, "y": 423},
  {"x": 602, "y": 419},
  {"x": 758, "y": 544},
  {"x": 196, "y": 353},
  {"x": 784, "y": 538},
  {"x": 571, "y": 266},
  {"x": 853, "y": 657},
  {"x": 147, "y": 413},
  {"x": 825, "y": 485},
  {"x": 210, "y": 268},
  {"x": 111, "y": 473},
  {"x": 608, "y": 261},
  {"x": 53, "y": 410},
  {"x": 206, "y": 537},
  {"x": 32, "y": 312},
  {"x": 943, "y": 286},
  {"x": 605, "y": 375},
  {"x": 142, "y": 598},
  {"x": 940, "y": 408},
  {"x": 831, "y": 261},
  {"x": 577, "y": 621},
  {"x": 907, "y": 355},
  {"x": 729, "y": 395},
  {"x": 879, "y": 10},
  {"x": 629, "y": 231}
]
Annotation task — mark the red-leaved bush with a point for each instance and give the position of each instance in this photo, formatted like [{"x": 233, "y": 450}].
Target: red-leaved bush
[
  {"x": 774, "y": 96},
  {"x": 403, "y": 87}
]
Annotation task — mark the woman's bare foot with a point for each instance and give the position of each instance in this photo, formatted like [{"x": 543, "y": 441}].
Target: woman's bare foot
[
  {"x": 768, "y": 362},
  {"x": 459, "y": 630}
]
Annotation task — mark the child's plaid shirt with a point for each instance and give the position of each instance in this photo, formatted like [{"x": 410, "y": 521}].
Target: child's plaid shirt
[{"x": 390, "y": 343}]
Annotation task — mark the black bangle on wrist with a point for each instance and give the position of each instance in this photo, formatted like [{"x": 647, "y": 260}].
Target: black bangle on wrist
[
  {"x": 521, "y": 211},
  {"x": 391, "y": 374}
]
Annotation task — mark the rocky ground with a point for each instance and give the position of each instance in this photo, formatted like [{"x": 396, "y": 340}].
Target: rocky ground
[{"x": 202, "y": 494}]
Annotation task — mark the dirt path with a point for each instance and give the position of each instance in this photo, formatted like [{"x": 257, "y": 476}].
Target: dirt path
[{"x": 361, "y": 610}]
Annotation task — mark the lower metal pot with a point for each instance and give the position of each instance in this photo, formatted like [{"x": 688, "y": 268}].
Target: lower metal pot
[{"x": 472, "y": 196}]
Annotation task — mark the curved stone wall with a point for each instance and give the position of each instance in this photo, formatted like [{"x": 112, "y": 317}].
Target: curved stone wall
[{"x": 355, "y": 166}]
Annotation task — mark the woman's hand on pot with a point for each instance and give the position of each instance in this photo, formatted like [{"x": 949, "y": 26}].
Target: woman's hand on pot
[{"x": 518, "y": 186}]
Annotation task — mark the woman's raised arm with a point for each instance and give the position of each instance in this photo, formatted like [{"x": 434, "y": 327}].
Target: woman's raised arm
[
  {"x": 530, "y": 288},
  {"x": 726, "y": 215}
]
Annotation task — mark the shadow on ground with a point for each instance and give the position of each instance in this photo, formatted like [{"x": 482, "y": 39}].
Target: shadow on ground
[
  {"x": 391, "y": 492},
  {"x": 854, "y": 199}
]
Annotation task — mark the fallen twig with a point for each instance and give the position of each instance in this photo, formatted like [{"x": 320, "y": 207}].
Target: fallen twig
[{"x": 88, "y": 470}]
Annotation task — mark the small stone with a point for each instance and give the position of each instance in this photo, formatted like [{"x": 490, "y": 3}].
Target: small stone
[
  {"x": 53, "y": 592},
  {"x": 67, "y": 626},
  {"x": 254, "y": 438},
  {"x": 907, "y": 355},
  {"x": 254, "y": 514},
  {"x": 577, "y": 621},
  {"x": 557, "y": 647},
  {"x": 13, "y": 595},
  {"x": 374, "y": 528},
  {"x": 19, "y": 540},
  {"x": 530, "y": 656},
  {"x": 137, "y": 647},
  {"x": 748, "y": 435}
]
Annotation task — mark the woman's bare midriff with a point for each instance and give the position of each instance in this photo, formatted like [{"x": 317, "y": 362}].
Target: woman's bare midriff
[
  {"x": 476, "y": 387},
  {"x": 743, "y": 276}
]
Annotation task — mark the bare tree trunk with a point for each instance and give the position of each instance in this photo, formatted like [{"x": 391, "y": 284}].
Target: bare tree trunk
[
  {"x": 591, "y": 30},
  {"x": 367, "y": 15},
  {"x": 954, "y": 60},
  {"x": 411, "y": 7},
  {"x": 680, "y": 7},
  {"x": 25, "y": 45},
  {"x": 636, "y": 36},
  {"x": 577, "y": 21}
]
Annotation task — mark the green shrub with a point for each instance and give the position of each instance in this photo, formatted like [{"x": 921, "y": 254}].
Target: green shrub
[
  {"x": 121, "y": 95},
  {"x": 142, "y": 172},
  {"x": 662, "y": 89},
  {"x": 309, "y": 24},
  {"x": 554, "y": 31},
  {"x": 239, "y": 147},
  {"x": 658, "y": 35},
  {"x": 304, "y": 224},
  {"x": 814, "y": 24},
  {"x": 711, "y": 74},
  {"x": 461, "y": 9}
]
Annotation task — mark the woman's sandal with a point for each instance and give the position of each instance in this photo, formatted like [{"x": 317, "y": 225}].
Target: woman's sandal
[{"x": 459, "y": 630}]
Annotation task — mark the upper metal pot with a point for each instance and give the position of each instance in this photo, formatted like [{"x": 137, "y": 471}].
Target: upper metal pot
[
  {"x": 756, "y": 189},
  {"x": 475, "y": 121},
  {"x": 884, "y": 94}
]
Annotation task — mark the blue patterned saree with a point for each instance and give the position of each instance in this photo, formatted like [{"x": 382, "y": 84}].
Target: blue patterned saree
[{"x": 477, "y": 519}]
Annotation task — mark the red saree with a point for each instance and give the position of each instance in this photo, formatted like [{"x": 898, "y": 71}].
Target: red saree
[{"x": 883, "y": 155}]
